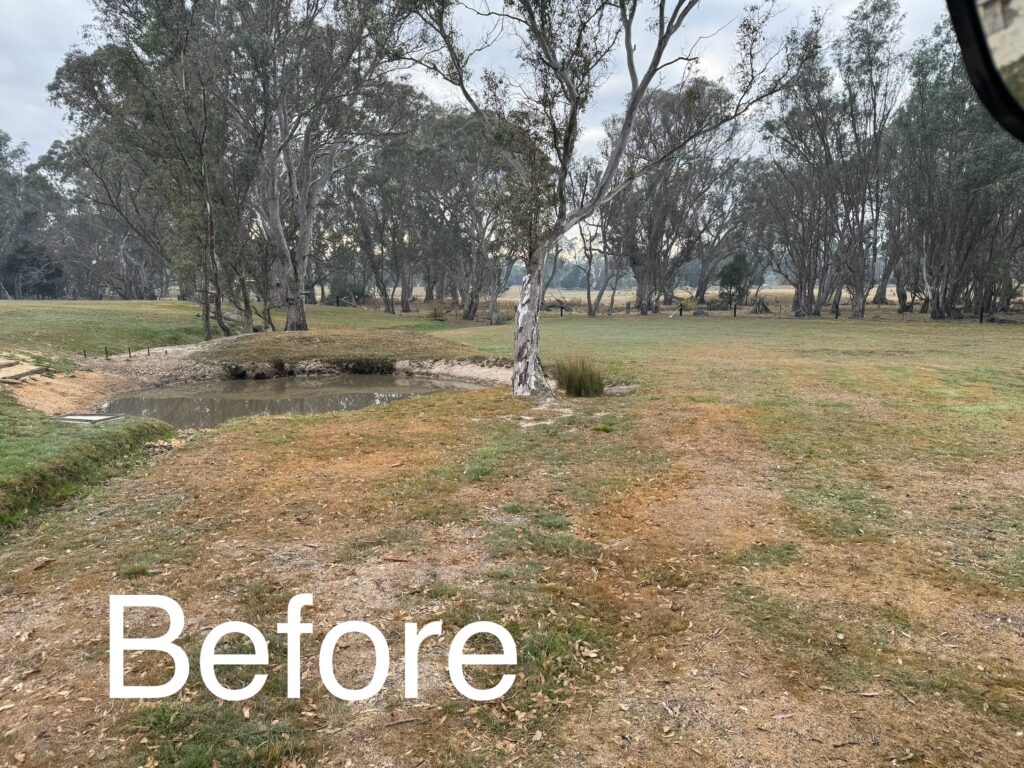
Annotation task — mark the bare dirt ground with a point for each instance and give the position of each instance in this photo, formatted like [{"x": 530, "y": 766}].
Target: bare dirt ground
[
  {"x": 71, "y": 392},
  {"x": 97, "y": 379}
]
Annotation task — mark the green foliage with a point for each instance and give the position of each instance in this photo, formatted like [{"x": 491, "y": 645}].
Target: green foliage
[
  {"x": 579, "y": 377},
  {"x": 734, "y": 280}
]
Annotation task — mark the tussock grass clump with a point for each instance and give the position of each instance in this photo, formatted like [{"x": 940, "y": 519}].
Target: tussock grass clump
[{"x": 579, "y": 377}]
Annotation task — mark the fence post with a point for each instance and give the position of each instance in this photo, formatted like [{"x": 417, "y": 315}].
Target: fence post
[
  {"x": 129, "y": 353},
  {"x": 106, "y": 352}
]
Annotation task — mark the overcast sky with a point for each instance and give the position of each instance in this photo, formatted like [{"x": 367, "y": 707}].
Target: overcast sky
[{"x": 35, "y": 34}]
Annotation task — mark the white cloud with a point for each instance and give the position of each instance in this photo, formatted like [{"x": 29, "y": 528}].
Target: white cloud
[{"x": 34, "y": 36}]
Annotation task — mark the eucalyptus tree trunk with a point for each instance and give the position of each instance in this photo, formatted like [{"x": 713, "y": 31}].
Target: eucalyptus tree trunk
[
  {"x": 406, "y": 287},
  {"x": 611, "y": 300},
  {"x": 590, "y": 299},
  {"x": 881, "y": 293},
  {"x": 495, "y": 312},
  {"x": 703, "y": 283},
  {"x": 554, "y": 273},
  {"x": 294, "y": 301},
  {"x": 594, "y": 306},
  {"x": 471, "y": 291},
  {"x": 527, "y": 374},
  {"x": 470, "y": 304},
  {"x": 207, "y": 330},
  {"x": 246, "y": 309},
  {"x": 498, "y": 287},
  {"x": 858, "y": 302}
]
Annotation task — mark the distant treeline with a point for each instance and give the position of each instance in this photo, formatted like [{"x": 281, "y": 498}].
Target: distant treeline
[{"x": 261, "y": 161}]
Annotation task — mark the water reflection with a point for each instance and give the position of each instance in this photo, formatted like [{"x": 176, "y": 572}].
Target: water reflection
[{"x": 207, "y": 404}]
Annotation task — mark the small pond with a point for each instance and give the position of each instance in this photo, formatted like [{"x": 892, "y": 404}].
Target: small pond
[{"x": 206, "y": 404}]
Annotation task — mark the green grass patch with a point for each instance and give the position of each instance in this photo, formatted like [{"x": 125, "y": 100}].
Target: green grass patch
[
  {"x": 505, "y": 540},
  {"x": 838, "y": 510},
  {"x": 553, "y": 521},
  {"x": 1010, "y": 569},
  {"x": 44, "y": 461},
  {"x": 203, "y": 735},
  {"x": 768, "y": 555},
  {"x": 136, "y": 568},
  {"x": 67, "y": 329},
  {"x": 800, "y": 634},
  {"x": 439, "y": 589},
  {"x": 557, "y": 646}
]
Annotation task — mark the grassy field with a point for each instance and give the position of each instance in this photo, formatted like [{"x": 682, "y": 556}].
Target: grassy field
[
  {"x": 67, "y": 329},
  {"x": 798, "y": 543},
  {"x": 43, "y": 462}
]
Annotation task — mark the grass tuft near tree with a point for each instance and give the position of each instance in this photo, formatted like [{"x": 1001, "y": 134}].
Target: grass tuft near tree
[{"x": 579, "y": 377}]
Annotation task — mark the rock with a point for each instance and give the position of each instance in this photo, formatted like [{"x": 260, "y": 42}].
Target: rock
[{"x": 620, "y": 389}]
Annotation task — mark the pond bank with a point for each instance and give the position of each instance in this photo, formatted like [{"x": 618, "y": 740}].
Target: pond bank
[{"x": 97, "y": 380}]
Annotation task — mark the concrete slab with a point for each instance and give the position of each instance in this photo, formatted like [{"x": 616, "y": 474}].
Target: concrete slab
[{"x": 89, "y": 418}]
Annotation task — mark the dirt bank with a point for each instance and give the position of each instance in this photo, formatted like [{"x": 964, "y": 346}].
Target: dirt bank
[
  {"x": 491, "y": 372},
  {"x": 70, "y": 392}
]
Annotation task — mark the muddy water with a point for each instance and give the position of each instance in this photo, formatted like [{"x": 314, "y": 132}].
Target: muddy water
[{"x": 209, "y": 403}]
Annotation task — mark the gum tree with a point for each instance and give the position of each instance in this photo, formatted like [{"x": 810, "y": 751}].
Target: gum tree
[
  {"x": 566, "y": 50},
  {"x": 12, "y": 161},
  {"x": 315, "y": 70}
]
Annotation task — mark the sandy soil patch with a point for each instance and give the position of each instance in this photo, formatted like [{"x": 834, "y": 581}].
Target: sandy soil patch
[
  {"x": 72, "y": 392},
  {"x": 458, "y": 370}
]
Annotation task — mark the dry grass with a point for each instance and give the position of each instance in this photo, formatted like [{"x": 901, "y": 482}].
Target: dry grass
[{"x": 798, "y": 543}]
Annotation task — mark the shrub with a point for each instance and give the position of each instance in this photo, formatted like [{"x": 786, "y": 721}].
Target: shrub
[
  {"x": 438, "y": 311},
  {"x": 579, "y": 377}
]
